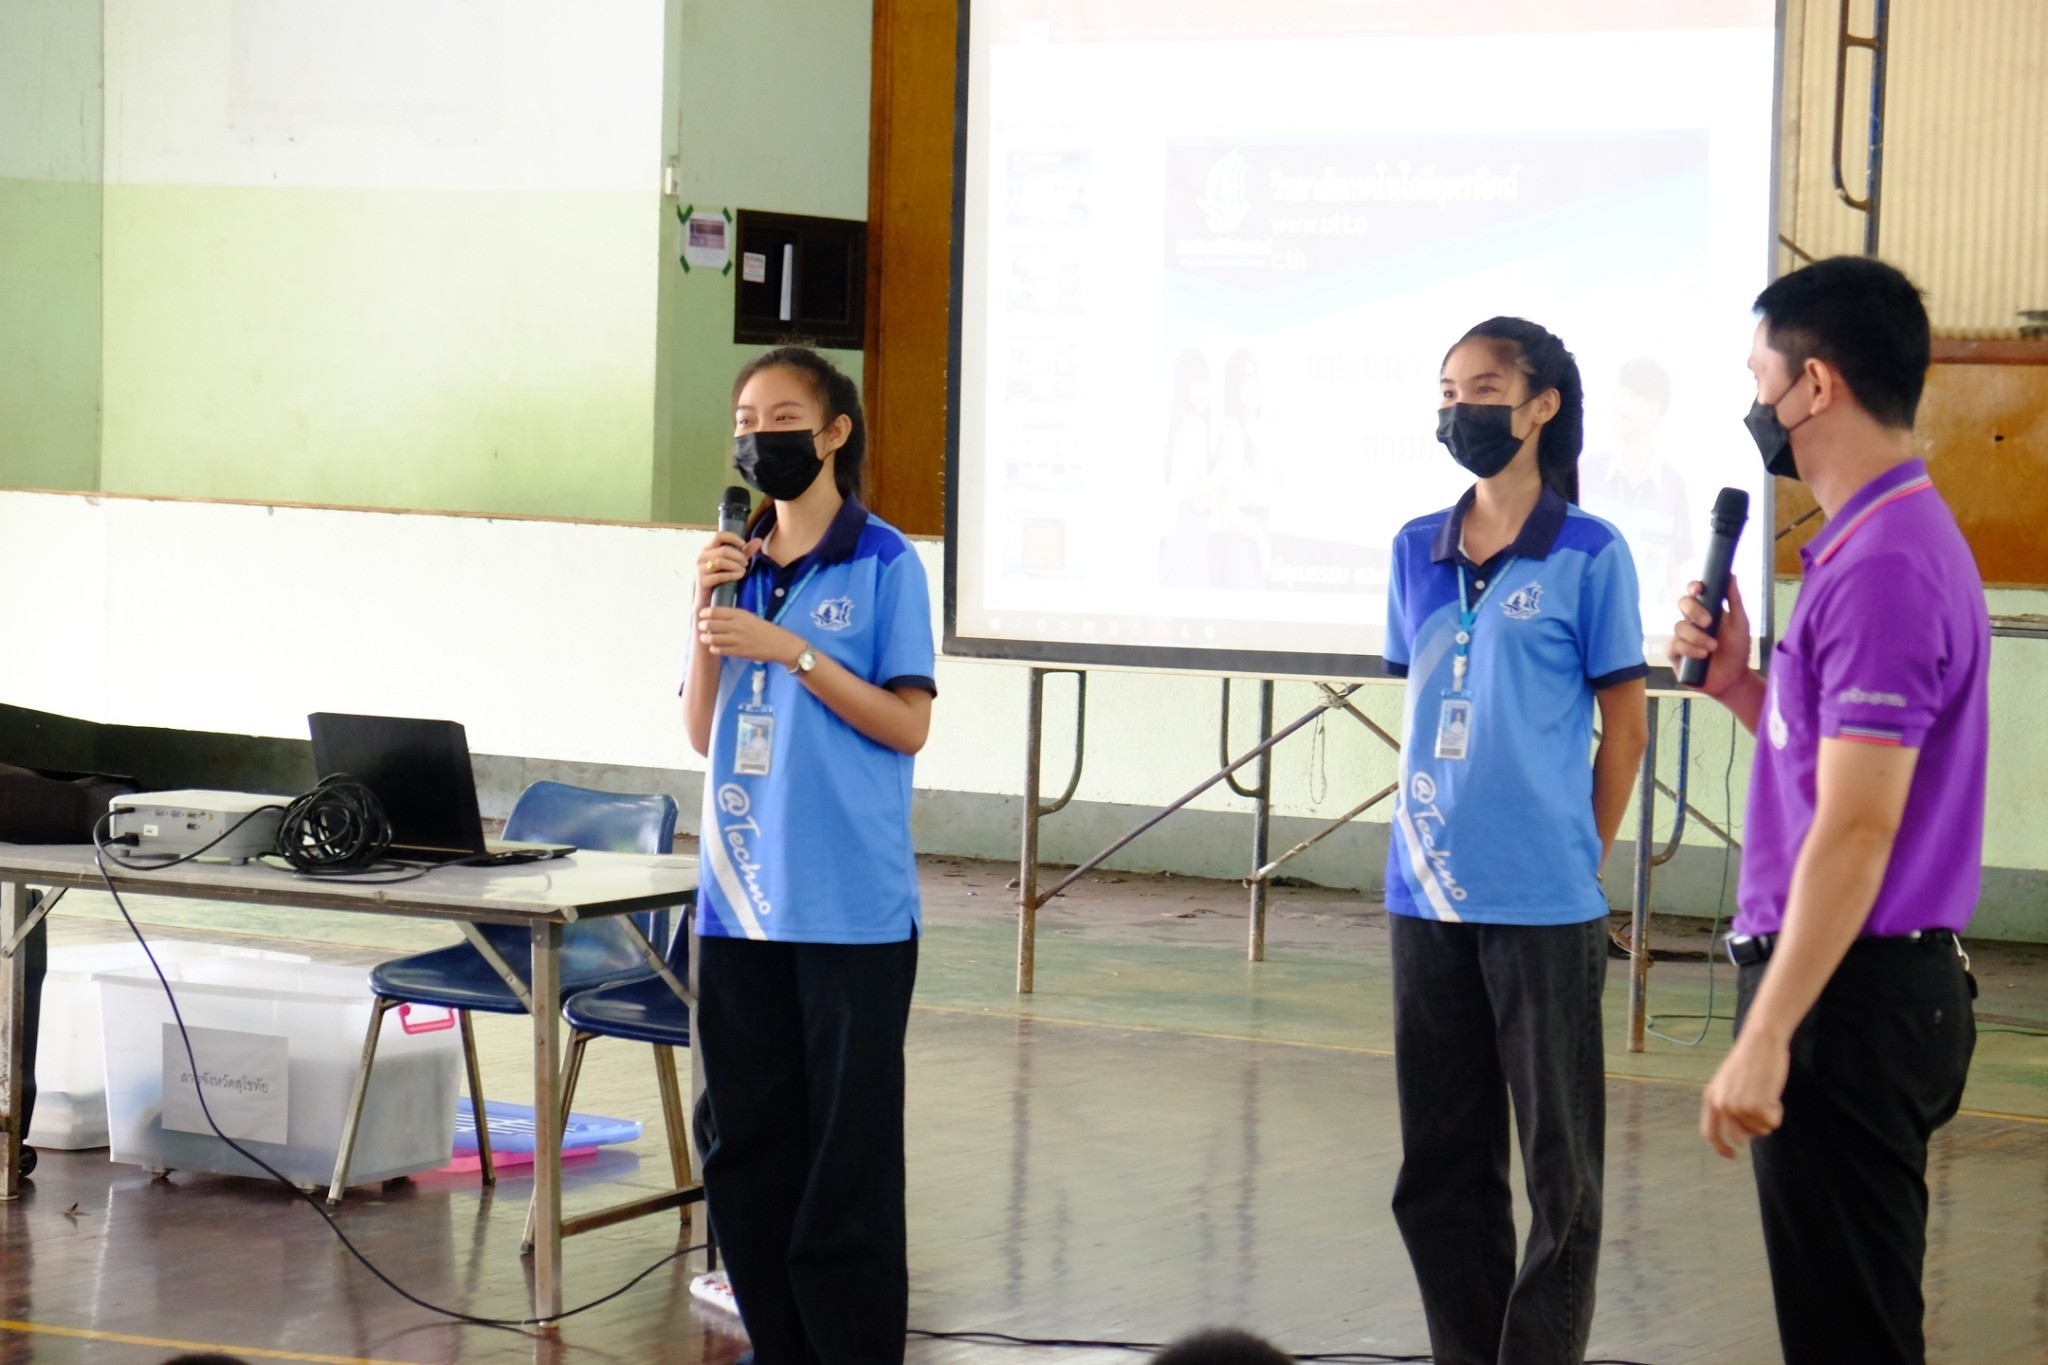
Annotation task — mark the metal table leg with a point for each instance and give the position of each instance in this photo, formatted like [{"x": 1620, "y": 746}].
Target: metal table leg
[
  {"x": 1639, "y": 918},
  {"x": 1027, "y": 863},
  {"x": 547, "y": 1136},
  {"x": 13, "y": 1024}
]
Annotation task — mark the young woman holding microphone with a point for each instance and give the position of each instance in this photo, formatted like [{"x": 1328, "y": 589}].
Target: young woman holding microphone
[
  {"x": 1513, "y": 615},
  {"x": 808, "y": 697}
]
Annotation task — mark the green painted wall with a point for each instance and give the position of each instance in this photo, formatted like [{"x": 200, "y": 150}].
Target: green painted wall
[
  {"x": 50, "y": 159},
  {"x": 436, "y": 349},
  {"x": 530, "y": 351},
  {"x": 773, "y": 116}
]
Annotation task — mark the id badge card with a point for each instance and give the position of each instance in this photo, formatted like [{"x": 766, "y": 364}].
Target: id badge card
[
  {"x": 754, "y": 750},
  {"x": 1454, "y": 729}
]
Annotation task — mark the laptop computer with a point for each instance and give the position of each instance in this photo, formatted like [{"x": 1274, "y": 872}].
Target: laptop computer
[{"x": 419, "y": 770}]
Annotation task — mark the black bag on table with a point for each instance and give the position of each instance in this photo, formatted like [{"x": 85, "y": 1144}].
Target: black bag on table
[{"x": 40, "y": 807}]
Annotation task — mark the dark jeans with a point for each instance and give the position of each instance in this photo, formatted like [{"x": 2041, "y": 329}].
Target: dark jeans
[
  {"x": 1484, "y": 1013},
  {"x": 1877, "y": 1066},
  {"x": 803, "y": 1065}
]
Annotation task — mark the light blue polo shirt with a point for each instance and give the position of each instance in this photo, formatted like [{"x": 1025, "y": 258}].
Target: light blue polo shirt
[
  {"x": 1506, "y": 835},
  {"x": 817, "y": 849}
]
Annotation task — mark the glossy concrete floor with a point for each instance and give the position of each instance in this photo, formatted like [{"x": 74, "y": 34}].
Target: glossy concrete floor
[{"x": 1162, "y": 1136}]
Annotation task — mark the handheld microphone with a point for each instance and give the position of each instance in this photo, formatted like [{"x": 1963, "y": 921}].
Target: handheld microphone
[
  {"x": 1731, "y": 510},
  {"x": 732, "y": 516}
]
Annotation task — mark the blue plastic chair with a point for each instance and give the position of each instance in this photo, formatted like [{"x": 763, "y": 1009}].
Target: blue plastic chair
[
  {"x": 593, "y": 953},
  {"x": 640, "y": 1010}
]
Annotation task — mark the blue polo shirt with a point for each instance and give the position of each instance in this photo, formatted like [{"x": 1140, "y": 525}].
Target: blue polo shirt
[
  {"x": 1506, "y": 835},
  {"x": 817, "y": 849}
]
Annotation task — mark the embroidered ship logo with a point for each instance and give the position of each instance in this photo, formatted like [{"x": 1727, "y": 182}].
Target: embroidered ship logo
[
  {"x": 836, "y": 614},
  {"x": 1523, "y": 603}
]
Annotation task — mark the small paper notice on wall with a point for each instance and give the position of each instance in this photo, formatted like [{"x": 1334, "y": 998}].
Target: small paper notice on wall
[
  {"x": 754, "y": 267},
  {"x": 704, "y": 244},
  {"x": 246, "y": 1076}
]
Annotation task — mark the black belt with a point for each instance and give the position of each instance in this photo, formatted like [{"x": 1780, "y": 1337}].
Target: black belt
[{"x": 1746, "y": 950}]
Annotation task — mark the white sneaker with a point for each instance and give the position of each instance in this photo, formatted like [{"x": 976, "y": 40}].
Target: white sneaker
[{"x": 713, "y": 1288}]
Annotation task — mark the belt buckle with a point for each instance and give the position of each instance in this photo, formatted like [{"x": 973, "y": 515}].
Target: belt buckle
[{"x": 1738, "y": 944}]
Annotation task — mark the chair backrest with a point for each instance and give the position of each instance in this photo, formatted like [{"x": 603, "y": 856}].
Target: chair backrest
[{"x": 603, "y": 822}]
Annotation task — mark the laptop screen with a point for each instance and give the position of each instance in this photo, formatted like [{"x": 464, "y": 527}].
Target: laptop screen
[{"x": 419, "y": 769}]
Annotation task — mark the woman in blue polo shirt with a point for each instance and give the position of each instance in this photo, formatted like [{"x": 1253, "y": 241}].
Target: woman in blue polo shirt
[
  {"x": 808, "y": 698},
  {"x": 1512, "y": 615}
]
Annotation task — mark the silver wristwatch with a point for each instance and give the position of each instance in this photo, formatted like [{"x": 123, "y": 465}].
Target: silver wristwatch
[{"x": 805, "y": 662}]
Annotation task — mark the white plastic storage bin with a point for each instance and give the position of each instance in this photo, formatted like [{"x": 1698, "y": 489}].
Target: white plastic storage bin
[
  {"x": 278, "y": 1046},
  {"x": 71, "y": 1074}
]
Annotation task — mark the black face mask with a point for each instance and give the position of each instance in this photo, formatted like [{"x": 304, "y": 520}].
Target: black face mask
[
  {"x": 780, "y": 464},
  {"x": 1480, "y": 436},
  {"x": 1773, "y": 438}
]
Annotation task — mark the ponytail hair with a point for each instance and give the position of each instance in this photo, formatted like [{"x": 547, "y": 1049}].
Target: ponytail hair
[
  {"x": 1540, "y": 356},
  {"x": 837, "y": 394}
]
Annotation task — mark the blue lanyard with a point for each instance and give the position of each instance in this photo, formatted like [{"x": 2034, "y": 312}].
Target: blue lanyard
[
  {"x": 774, "y": 617},
  {"x": 1468, "y": 617}
]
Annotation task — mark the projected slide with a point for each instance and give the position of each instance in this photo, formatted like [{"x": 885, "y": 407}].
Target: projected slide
[{"x": 1213, "y": 256}]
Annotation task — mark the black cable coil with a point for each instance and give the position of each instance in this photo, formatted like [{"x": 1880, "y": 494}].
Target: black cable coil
[{"x": 338, "y": 826}]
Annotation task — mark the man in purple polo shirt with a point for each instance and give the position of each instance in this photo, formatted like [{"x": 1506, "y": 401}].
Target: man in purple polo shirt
[{"x": 1866, "y": 823}]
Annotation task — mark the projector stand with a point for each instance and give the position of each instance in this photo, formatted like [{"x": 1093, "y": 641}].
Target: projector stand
[
  {"x": 1029, "y": 898},
  {"x": 1333, "y": 698}
]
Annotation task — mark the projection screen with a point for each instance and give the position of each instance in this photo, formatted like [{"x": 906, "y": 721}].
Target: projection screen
[{"x": 1208, "y": 260}]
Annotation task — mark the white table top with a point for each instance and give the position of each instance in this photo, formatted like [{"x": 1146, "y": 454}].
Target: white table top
[{"x": 580, "y": 886}]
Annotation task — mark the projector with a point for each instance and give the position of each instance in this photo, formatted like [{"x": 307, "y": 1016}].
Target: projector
[{"x": 174, "y": 824}]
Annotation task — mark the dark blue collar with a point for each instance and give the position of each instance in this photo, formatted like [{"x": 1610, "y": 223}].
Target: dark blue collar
[
  {"x": 837, "y": 545},
  {"x": 1537, "y": 536}
]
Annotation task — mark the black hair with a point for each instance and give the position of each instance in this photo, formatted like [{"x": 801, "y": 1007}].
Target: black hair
[
  {"x": 1863, "y": 318},
  {"x": 836, "y": 393},
  {"x": 1221, "y": 1346},
  {"x": 1548, "y": 365}
]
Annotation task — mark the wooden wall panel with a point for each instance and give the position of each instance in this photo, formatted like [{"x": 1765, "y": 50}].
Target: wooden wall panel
[
  {"x": 910, "y": 221},
  {"x": 1984, "y": 430}
]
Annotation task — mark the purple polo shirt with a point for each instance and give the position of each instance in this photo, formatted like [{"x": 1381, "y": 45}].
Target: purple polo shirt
[{"x": 1890, "y": 643}]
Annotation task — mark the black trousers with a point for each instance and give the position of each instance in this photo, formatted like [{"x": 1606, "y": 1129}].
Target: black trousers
[
  {"x": 803, "y": 1066},
  {"x": 1877, "y": 1066},
  {"x": 1485, "y": 1014}
]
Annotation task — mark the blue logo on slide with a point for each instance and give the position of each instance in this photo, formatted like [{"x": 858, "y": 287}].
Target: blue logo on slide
[{"x": 1226, "y": 197}]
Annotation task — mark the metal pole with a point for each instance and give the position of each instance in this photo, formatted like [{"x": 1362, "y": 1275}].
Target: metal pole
[
  {"x": 1326, "y": 831},
  {"x": 1870, "y": 205},
  {"x": 547, "y": 1132},
  {"x": 1027, "y": 865},
  {"x": 1262, "y": 823},
  {"x": 1639, "y": 932},
  {"x": 1874, "y": 164},
  {"x": 14, "y": 910},
  {"x": 1679, "y": 803}
]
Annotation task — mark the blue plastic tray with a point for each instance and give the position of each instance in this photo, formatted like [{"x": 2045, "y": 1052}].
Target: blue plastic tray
[{"x": 512, "y": 1128}]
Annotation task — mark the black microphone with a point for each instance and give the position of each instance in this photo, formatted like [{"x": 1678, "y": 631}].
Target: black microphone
[
  {"x": 732, "y": 516},
  {"x": 1731, "y": 510}
]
